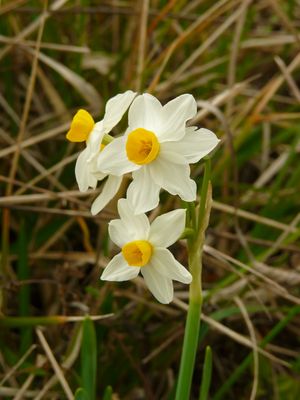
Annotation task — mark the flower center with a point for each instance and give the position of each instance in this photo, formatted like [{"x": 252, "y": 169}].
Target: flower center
[
  {"x": 142, "y": 146},
  {"x": 137, "y": 253},
  {"x": 81, "y": 126}
]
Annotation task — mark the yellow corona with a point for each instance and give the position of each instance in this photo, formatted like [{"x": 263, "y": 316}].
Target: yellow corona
[
  {"x": 81, "y": 126},
  {"x": 142, "y": 146},
  {"x": 137, "y": 253}
]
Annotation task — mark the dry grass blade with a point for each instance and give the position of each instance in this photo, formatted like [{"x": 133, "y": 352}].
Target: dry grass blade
[
  {"x": 268, "y": 174},
  {"x": 36, "y": 139},
  {"x": 66, "y": 365},
  {"x": 209, "y": 41},
  {"x": 40, "y": 361},
  {"x": 252, "y": 217},
  {"x": 50, "y": 46},
  {"x": 27, "y": 105},
  {"x": 32, "y": 198},
  {"x": 55, "y": 365},
  {"x": 262, "y": 242},
  {"x": 272, "y": 86},
  {"x": 250, "y": 327},
  {"x": 242, "y": 340},
  {"x": 52, "y": 211},
  {"x": 11, "y": 378},
  {"x": 234, "y": 335},
  {"x": 281, "y": 239},
  {"x": 17, "y": 365},
  {"x": 285, "y": 20},
  {"x": 92, "y": 317},
  {"x": 160, "y": 348},
  {"x": 265, "y": 145},
  {"x": 10, "y": 392},
  {"x": 5, "y": 8},
  {"x": 292, "y": 84},
  {"x": 284, "y": 276},
  {"x": 274, "y": 286},
  {"x": 33, "y": 26},
  {"x": 267, "y": 42},
  {"x": 87, "y": 91},
  {"x": 46, "y": 173},
  {"x": 212, "y": 13},
  {"x": 234, "y": 52},
  {"x": 9, "y": 110},
  {"x": 54, "y": 97},
  {"x": 142, "y": 43},
  {"x": 57, "y": 235},
  {"x": 219, "y": 99}
]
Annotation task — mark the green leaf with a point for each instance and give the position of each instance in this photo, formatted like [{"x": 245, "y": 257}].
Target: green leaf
[
  {"x": 108, "y": 393},
  {"x": 288, "y": 387},
  {"x": 89, "y": 358},
  {"x": 81, "y": 394},
  {"x": 206, "y": 374}
]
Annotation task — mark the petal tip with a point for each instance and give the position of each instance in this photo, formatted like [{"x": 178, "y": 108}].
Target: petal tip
[{"x": 93, "y": 212}]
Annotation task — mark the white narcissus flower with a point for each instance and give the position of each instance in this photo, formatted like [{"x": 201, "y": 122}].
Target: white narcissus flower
[
  {"x": 144, "y": 249},
  {"x": 83, "y": 128},
  {"x": 157, "y": 148}
]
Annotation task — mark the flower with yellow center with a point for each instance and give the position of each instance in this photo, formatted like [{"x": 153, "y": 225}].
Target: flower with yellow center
[
  {"x": 157, "y": 148},
  {"x": 84, "y": 129},
  {"x": 144, "y": 249}
]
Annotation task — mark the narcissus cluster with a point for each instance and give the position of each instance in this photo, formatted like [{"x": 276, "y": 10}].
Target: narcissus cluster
[{"x": 157, "y": 148}]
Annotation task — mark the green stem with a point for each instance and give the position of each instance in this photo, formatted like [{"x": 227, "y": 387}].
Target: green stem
[
  {"x": 203, "y": 194},
  {"x": 192, "y": 214},
  {"x": 191, "y": 334}
]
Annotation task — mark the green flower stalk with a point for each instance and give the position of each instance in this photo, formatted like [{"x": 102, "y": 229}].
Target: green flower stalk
[{"x": 195, "y": 248}]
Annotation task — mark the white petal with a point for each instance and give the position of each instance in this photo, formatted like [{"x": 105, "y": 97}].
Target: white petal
[
  {"x": 175, "y": 115},
  {"x": 138, "y": 226},
  {"x": 143, "y": 192},
  {"x": 145, "y": 112},
  {"x": 92, "y": 180},
  {"x": 116, "y": 108},
  {"x": 113, "y": 158},
  {"x": 119, "y": 233},
  {"x": 93, "y": 169},
  {"x": 174, "y": 178},
  {"x": 110, "y": 188},
  {"x": 83, "y": 175},
  {"x": 164, "y": 263},
  {"x": 97, "y": 174},
  {"x": 167, "y": 228},
  {"x": 160, "y": 286},
  {"x": 118, "y": 270},
  {"x": 95, "y": 138},
  {"x": 170, "y": 155},
  {"x": 195, "y": 144}
]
